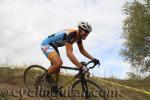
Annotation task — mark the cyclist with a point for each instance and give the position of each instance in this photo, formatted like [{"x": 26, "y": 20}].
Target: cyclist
[{"x": 65, "y": 38}]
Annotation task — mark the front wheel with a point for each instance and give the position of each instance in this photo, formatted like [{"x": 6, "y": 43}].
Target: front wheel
[
  {"x": 33, "y": 75},
  {"x": 87, "y": 89}
]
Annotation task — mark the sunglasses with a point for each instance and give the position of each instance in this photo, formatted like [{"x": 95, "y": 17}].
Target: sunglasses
[{"x": 86, "y": 31}]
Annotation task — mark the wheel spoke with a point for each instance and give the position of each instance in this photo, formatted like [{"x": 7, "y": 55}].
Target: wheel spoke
[
  {"x": 90, "y": 87},
  {"x": 32, "y": 76}
]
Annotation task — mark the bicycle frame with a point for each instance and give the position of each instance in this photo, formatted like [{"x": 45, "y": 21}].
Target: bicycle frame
[{"x": 79, "y": 75}]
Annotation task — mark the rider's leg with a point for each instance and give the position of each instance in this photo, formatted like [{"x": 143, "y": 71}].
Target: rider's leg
[
  {"x": 53, "y": 69},
  {"x": 57, "y": 75},
  {"x": 54, "y": 58},
  {"x": 56, "y": 63}
]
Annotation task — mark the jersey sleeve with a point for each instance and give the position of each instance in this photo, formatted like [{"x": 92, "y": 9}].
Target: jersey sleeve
[{"x": 70, "y": 37}]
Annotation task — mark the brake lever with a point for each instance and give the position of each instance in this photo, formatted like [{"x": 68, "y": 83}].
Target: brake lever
[{"x": 98, "y": 64}]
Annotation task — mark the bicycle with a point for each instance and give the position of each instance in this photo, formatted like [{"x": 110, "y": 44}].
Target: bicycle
[{"x": 87, "y": 87}]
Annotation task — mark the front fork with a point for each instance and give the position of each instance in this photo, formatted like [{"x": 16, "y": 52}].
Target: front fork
[{"x": 85, "y": 90}]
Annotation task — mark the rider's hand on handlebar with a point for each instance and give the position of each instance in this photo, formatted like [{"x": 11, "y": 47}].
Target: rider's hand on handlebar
[{"x": 96, "y": 61}]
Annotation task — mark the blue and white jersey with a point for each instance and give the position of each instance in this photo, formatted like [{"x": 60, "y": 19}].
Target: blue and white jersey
[
  {"x": 56, "y": 39},
  {"x": 59, "y": 39}
]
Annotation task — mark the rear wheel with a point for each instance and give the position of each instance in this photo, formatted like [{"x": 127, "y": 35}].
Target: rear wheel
[
  {"x": 86, "y": 90},
  {"x": 33, "y": 76}
]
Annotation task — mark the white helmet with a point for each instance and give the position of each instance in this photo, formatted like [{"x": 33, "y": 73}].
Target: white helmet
[{"x": 85, "y": 26}]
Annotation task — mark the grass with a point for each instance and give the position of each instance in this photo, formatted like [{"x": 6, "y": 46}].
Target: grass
[{"x": 13, "y": 78}]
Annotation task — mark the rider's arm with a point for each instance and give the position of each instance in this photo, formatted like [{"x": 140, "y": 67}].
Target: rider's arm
[
  {"x": 69, "y": 49},
  {"x": 83, "y": 51},
  {"x": 70, "y": 55}
]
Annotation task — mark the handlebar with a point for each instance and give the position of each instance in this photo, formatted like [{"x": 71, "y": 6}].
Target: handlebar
[
  {"x": 86, "y": 64},
  {"x": 83, "y": 63}
]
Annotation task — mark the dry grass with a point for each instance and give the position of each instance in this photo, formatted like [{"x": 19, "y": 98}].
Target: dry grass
[{"x": 13, "y": 77}]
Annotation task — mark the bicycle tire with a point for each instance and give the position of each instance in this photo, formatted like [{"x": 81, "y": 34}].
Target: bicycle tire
[
  {"x": 28, "y": 83},
  {"x": 88, "y": 94}
]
